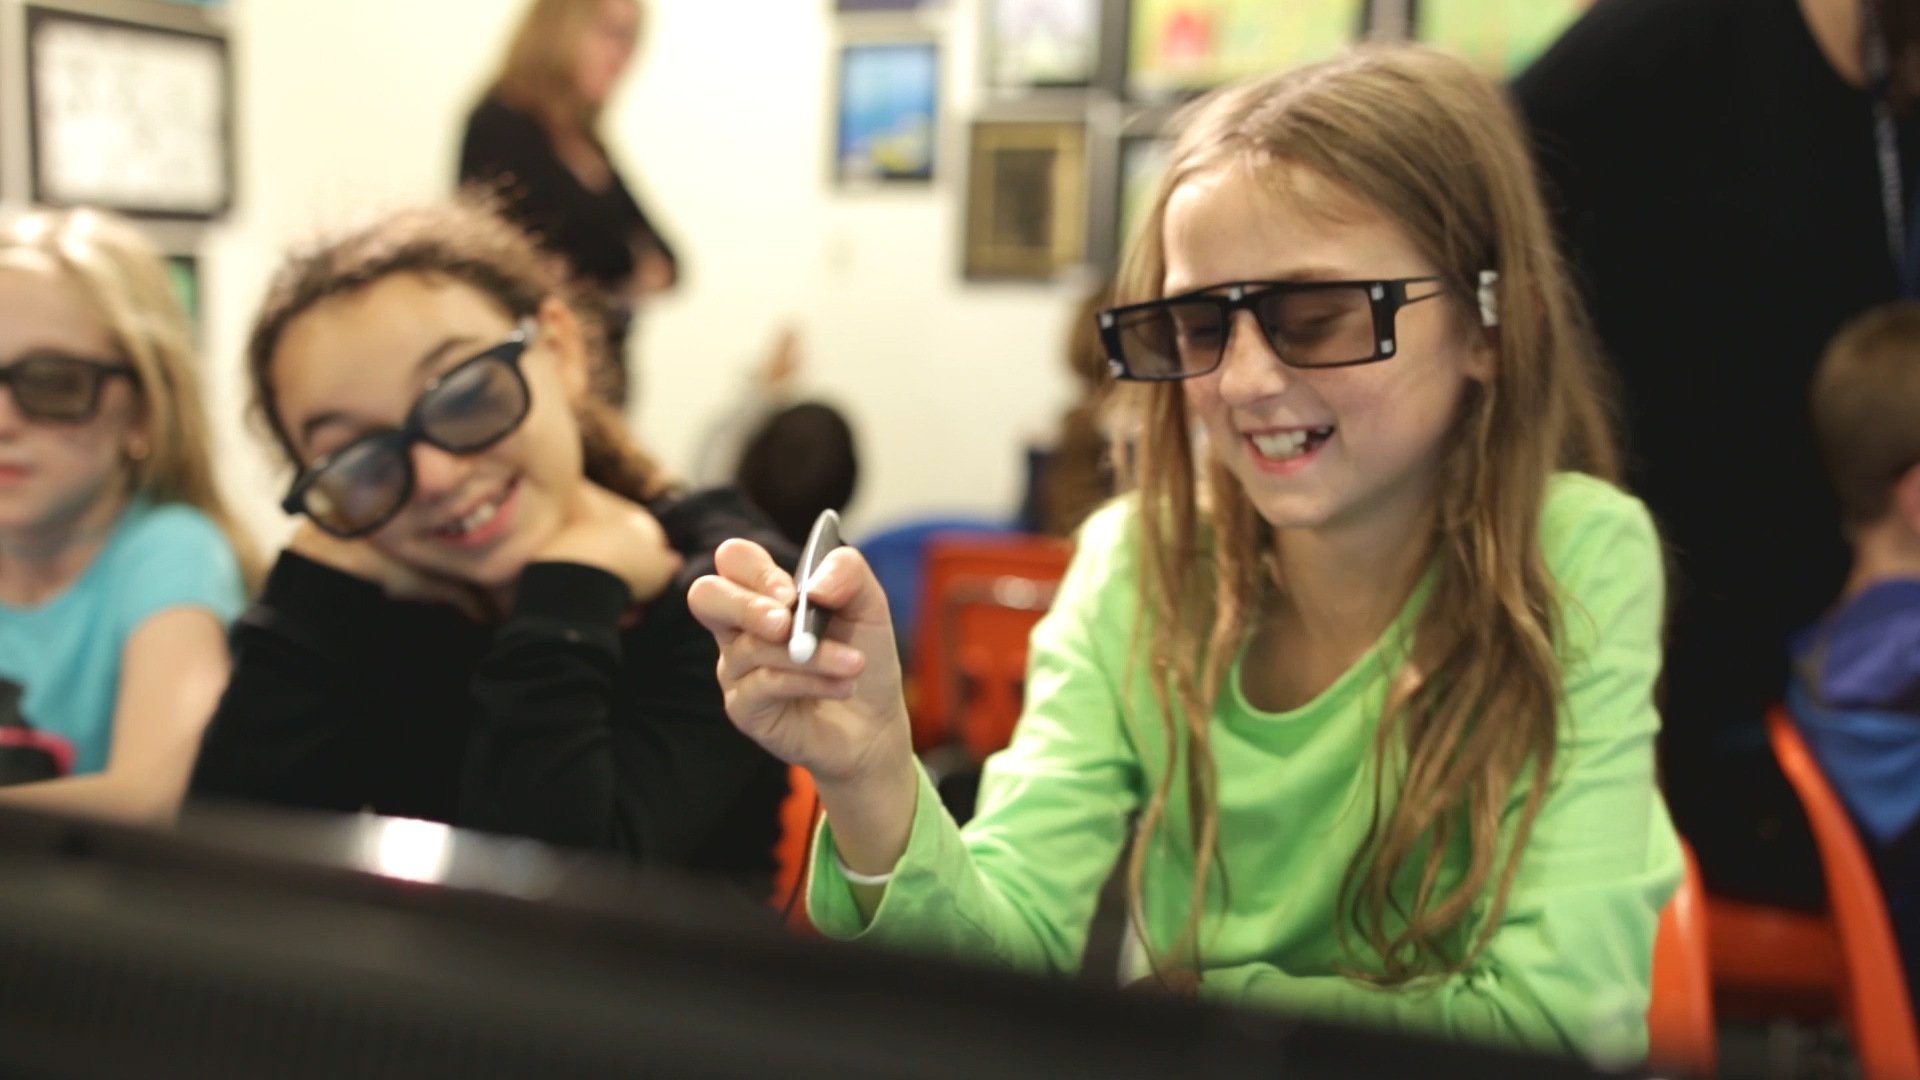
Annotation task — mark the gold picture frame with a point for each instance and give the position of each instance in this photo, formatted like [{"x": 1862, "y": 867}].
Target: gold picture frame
[{"x": 1026, "y": 199}]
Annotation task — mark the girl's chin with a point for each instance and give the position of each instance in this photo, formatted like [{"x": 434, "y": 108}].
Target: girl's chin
[{"x": 497, "y": 569}]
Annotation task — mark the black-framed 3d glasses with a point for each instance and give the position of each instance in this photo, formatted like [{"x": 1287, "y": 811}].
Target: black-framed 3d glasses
[
  {"x": 58, "y": 388},
  {"x": 1309, "y": 324},
  {"x": 360, "y": 487}
]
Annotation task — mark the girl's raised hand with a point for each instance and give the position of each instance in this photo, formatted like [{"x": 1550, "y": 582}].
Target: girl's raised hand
[{"x": 841, "y": 716}]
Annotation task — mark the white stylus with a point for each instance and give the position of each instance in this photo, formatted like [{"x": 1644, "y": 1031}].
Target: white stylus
[{"x": 809, "y": 618}]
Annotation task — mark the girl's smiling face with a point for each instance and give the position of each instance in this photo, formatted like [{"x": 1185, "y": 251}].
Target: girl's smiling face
[{"x": 1377, "y": 431}]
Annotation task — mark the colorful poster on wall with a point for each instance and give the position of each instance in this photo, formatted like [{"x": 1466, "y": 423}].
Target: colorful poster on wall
[
  {"x": 1500, "y": 36},
  {"x": 184, "y": 270},
  {"x": 1044, "y": 42},
  {"x": 889, "y": 111},
  {"x": 1181, "y": 46}
]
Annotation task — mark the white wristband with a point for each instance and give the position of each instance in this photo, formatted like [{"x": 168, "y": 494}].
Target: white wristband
[{"x": 860, "y": 879}]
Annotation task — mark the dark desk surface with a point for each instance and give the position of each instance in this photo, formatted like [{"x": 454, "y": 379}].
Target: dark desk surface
[{"x": 253, "y": 944}]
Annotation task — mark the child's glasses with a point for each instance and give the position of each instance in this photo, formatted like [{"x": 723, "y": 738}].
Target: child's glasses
[
  {"x": 360, "y": 487},
  {"x": 57, "y": 388},
  {"x": 1313, "y": 324}
]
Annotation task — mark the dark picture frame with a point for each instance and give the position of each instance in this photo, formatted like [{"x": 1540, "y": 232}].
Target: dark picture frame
[
  {"x": 1026, "y": 199},
  {"x": 846, "y": 7},
  {"x": 129, "y": 116},
  {"x": 1038, "y": 44}
]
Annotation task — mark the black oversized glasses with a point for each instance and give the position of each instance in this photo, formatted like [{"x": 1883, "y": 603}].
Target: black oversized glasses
[
  {"x": 360, "y": 487},
  {"x": 1309, "y": 324},
  {"x": 59, "y": 388}
]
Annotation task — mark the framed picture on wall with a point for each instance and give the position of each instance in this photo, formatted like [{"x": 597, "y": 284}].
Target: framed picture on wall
[
  {"x": 888, "y": 112},
  {"x": 1181, "y": 47},
  {"x": 1026, "y": 199},
  {"x": 129, "y": 117},
  {"x": 880, "y": 5},
  {"x": 1501, "y": 37},
  {"x": 1143, "y": 158},
  {"x": 185, "y": 272},
  {"x": 1043, "y": 42}
]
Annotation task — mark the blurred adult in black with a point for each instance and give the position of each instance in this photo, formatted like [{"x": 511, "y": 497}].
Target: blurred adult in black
[
  {"x": 535, "y": 142},
  {"x": 1735, "y": 179}
]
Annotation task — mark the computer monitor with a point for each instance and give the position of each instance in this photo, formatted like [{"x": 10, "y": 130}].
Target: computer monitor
[{"x": 275, "y": 945}]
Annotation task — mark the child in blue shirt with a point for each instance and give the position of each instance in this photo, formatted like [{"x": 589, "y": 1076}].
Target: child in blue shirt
[
  {"x": 118, "y": 563},
  {"x": 1856, "y": 690}
]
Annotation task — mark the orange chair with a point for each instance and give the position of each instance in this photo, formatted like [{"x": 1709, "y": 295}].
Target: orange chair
[
  {"x": 1772, "y": 962},
  {"x": 799, "y": 814},
  {"x": 1680, "y": 1031},
  {"x": 982, "y": 596},
  {"x": 1874, "y": 998}
]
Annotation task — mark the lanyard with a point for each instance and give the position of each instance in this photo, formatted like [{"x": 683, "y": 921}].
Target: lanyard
[{"x": 1901, "y": 244}]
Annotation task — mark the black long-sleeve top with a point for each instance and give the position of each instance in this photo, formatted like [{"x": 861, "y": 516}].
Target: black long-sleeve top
[
  {"x": 581, "y": 720},
  {"x": 1715, "y": 180},
  {"x": 509, "y": 153}
]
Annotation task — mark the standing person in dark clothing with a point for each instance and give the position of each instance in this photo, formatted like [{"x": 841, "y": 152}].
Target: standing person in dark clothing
[
  {"x": 1729, "y": 201},
  {"x": 535, "y": 143},
  {"x": 483, "y": 620}
]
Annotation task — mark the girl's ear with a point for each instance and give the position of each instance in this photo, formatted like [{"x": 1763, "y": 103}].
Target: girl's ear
[
  {"x": 1483, "y": 353},
  {"x": 563, "y": 334},
  {"x": 137, "y": 445}
]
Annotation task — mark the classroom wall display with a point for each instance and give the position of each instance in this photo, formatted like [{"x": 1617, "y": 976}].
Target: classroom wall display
[
  {"x": 184, "y": 270},
  {"x": 845, "y": 6},
  {"x": 129, "y": 117},
  {"x": 1500, "y": 36},
  {"x": 1181, "y": 47},
  {"x": 1026, "y": 199},
  {"x": 1033, "y": 43},
  {"x": 1143, "y": 158},
  {"x": 888, "y": 112}
]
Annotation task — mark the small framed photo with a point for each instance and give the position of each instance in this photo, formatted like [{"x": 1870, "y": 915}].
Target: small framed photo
[
  {"x": 184, "y": 270},
  {"x": 1036, "y": 43},
  {"x": 1501, "y": 37},
  {"x": 1143, "y": 159},
  {"x": 889, "y": 112},
  {"x": 847, "y": 6},
  {"x": 1178, "y": 48},
  {"x": 129, "y": 117},
  {"x": 1026, "y": 199}
]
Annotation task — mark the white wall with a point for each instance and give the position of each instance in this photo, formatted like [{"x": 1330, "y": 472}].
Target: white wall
[{"x": 351, "y": 106}]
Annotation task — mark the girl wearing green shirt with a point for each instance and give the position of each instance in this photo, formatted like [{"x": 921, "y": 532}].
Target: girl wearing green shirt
[{"x": 1361, "y": 675}]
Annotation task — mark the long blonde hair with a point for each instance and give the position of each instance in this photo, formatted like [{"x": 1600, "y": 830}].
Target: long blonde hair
[
  {"x": 1422, "y": 138},
  {"x": 126, "y": 281},
  {"x": 539, "y": 72}
]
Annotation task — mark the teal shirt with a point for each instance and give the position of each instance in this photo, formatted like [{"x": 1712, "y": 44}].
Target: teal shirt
[
  {"x": 1567, "y": 968},
  {"x": 66, "y": 653}
]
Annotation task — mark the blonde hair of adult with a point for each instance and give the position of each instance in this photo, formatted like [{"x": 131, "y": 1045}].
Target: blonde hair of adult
[
  {"x": 540, "y": 71},
  {"x": 1422, "y": 138},
  {"x": 125, "y": 281}
]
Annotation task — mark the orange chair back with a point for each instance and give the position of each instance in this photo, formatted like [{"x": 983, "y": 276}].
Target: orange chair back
[
  {"x": 1878, "y": 1009},
  {"x": 1680, "y": 1029},
  {"x": 982, "y": 596},
  {"x": 799, "y": 813}
]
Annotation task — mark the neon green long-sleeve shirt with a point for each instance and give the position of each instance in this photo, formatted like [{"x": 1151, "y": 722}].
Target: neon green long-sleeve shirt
[{"x": 1566, "y": 969}]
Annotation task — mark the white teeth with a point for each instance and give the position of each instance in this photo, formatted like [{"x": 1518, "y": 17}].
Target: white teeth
[
  {"x": 480, "y": 516},
  {"x": 1287, "y": 444}
]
